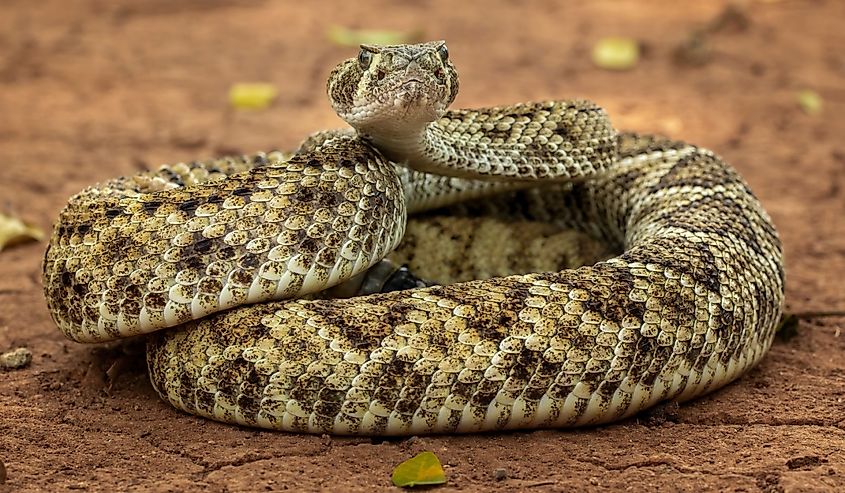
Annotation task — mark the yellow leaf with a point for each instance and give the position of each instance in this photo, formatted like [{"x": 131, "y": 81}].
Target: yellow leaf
[
  {"x": 616, "y": 53},
  {"x": 354, "y": 37},
  {"x": 14, "y": 231},
  {"x": 422, "y": 469},
  {"x": 810, "y": 102},
  {"x": 252, "y": 95}
]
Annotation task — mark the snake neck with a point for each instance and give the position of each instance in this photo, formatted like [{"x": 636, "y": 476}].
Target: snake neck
[
  {"x": 431, "y": 149},
  {"x": 554, "y": 141}
]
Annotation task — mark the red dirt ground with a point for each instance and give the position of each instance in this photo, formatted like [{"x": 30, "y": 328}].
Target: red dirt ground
[{"x": 93, "y": 89}]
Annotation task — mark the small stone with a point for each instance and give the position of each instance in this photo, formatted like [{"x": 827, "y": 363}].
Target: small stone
[
  {"x": 500, "y": 474},
  {"x": 16, "y": 358},
  {"x": 805, "y": 462}
]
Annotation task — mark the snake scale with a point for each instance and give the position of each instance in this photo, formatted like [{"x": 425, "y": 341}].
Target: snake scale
[{"x": 246, "y": 261}]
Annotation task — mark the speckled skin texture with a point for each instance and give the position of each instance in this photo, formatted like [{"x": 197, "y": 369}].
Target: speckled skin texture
[{"x": 689, "y": 304}]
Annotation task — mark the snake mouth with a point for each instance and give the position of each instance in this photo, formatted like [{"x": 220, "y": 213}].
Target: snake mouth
[{"x": 414, "y": 92}]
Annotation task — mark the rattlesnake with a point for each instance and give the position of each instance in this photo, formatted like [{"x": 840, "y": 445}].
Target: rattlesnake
[{"x": 689, "y": 303}]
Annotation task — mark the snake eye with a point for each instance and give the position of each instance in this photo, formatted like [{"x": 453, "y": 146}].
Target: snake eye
[
  {"x": 443, "y": 52},
  {"x": 365, "y": 58}
]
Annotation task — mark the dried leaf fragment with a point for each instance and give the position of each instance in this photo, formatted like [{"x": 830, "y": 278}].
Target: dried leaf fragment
[
  {"x": 13, "y": 231},
  {"x": 252, "y": 95},
  {"x": 421, "y": 470},
  {"x": 615, "y": 53},
  {"x": 810, "y": 101}
]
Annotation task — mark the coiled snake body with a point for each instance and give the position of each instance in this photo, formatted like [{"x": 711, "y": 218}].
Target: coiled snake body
[{"x": 689, "y": 304}]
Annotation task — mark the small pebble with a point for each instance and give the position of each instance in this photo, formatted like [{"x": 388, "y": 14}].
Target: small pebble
[
  {"x": 500, "y": 474},
  {"x": 16, "y": 358}
]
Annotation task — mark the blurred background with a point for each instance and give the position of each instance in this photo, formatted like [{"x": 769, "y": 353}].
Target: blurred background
[{"x": 92, "y": 89}]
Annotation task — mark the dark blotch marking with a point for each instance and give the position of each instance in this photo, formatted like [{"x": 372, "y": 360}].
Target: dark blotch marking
[
  {"x": 189, "y": 206},
  {"x": 203, "y": 246},
  {"x": 194, "y": 262},
  {"x": 152, "y": 206},
  {"x": 562, "y": 130},
  {"x": 485, "y": 393},
  {"x": 249, "y": 261},
  {"x": 397, "y": 314},
  {"x": 306, "y": 389},
  {"x": 526, "y": 363},
  {"x": 249, "y": 405},
  {"x": 156, "y": 301},
  {"x": 309, "y": 245},
  {"x": 226, "y": 253},
  {"x": 606, "y": 388},
  {"x": 304, "y": 195}
]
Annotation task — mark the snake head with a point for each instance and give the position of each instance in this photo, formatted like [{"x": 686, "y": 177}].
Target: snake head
[{"x": 385, "y": 85}]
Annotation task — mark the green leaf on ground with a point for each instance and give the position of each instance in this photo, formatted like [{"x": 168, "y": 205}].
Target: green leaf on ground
[
  {"x": 252, "y": 95},
  {"x": 13, "y": 231},
  {"x": 810, "y": 101},
  {"x": 421, "y": 470},
  {"x": 354, "y": 37},
  {"x": 616, "y": 53}
]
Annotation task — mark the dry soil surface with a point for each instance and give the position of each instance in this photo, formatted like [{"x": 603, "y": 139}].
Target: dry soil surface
[{"x": 92, "y": 89}]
